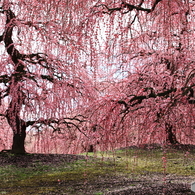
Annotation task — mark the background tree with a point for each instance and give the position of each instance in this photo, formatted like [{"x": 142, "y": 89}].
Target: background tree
[{"x": 149, "y": 45}]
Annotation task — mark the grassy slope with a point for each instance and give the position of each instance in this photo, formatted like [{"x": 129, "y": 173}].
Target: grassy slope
[{"x": 105, "y": 172}]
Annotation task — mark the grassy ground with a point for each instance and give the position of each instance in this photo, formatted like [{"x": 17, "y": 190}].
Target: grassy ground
[{"x": 125, "y": 171}]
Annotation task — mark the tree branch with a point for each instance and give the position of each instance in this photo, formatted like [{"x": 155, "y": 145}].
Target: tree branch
[
  {"x": 4, "y": 79},
  {"x": 17, "y": 57},
  {"x": 135, "y": 100},
  {"x": 4, "y": 115},
  {"x": 110, "y": 10},
  {"x": 1, "y": 38},
  {"x": 155, "y": 4},
  {"x": 67, "y": 121},
  {"x": 130, "y": 7}
]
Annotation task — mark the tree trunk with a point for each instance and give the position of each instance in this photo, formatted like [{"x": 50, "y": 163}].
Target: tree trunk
[
  {"x": 19, "y": 142},
  {"x": 18, "y": 127},
  {"x": 14, "y": 90},
  {"x": 90, "y": 148},
  {"x": 171, "y": 137}
]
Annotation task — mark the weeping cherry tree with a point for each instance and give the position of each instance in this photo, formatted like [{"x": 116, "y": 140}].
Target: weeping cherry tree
[{"x": 43, "y": 80}]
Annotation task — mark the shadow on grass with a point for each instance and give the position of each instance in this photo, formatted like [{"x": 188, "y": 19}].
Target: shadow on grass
[{"x": 120, "y": 172}]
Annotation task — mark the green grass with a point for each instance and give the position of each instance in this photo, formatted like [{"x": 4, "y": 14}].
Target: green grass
[
  {"x": 151, "y": 161},
  {"x": 75, "y": 178}
]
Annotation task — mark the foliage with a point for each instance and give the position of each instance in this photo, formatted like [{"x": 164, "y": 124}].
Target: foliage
[
  {"x": 149, "y": 96},
  {"x": 41, "y": 85},
  {"x": 97, "y": 74}
]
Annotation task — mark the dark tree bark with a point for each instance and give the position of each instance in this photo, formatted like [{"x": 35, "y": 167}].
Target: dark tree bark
[
  {"x": 90, "y": 148},
  {"x": 171, "y": 135},
  {"x": 19, "y": 141},
  {"x": 14, "y": 90},
  {"x": 14, "y": 120}
]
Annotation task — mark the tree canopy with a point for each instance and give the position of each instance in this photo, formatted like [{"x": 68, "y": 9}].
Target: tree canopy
[{"x": 117, "y": 72}]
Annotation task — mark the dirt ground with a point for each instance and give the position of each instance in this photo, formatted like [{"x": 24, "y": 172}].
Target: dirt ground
[{"x": 143, "y": 185}]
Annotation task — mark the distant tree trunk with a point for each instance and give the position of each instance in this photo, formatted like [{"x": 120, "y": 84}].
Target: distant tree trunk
[
  {"x": 171, "y": 137},
  {"x": 90, "y": 148}
]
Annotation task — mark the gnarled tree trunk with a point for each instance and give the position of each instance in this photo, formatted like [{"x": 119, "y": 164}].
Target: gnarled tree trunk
[
  {"x": 14, "y": 120},
  {"x": 15, "y": 87},
  {"x": 19, "y": 132}
]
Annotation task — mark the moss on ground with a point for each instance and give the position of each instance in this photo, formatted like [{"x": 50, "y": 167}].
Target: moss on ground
[{"x": 95, "y": 174}]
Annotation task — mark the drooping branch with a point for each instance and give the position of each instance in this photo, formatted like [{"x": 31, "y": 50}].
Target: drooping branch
[
  {"x": 109, "y": 10},
  {"x": 129, "y": 7},
  {"x": 16, "y": 56},
  {"x": 4, "y": 79},
  {"x": 188, "y": 91},
  {"x": 66, "y": 122},
  {"x": 136, "y": 100},
  {"x": 37, "y": 58},
  {"x": 19, "y": 58}
]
